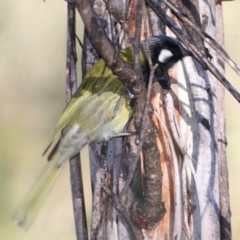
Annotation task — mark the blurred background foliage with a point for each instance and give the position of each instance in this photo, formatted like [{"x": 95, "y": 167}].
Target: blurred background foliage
[{"x": 32, "y": 96}]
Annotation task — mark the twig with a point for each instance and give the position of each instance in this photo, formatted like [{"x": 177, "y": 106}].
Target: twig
[
  {"x": 136, "y": 44},
  {"x": 98, "y": 37},
  {"x": 186, "y": 41},
  {"x": 204, "y": 36},
  {"x": 137, "y": 37},
  {"x": 75, "y": 167},
  {"x": 142, "y": 132},
  {"x": 97, "y": 203}
]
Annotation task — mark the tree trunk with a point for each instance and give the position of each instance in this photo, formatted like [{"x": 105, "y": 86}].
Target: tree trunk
[{"x": 190, "y": 200}]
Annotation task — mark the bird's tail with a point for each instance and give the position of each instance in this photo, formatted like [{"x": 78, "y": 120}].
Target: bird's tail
[{"x": 28, "y": 208}]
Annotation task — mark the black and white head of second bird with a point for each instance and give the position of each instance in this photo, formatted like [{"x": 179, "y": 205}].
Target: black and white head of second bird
[{"x": 165, "y": 51}]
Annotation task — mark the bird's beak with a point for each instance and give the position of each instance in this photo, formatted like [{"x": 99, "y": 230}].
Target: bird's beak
[{"x": 186, "y": 53}]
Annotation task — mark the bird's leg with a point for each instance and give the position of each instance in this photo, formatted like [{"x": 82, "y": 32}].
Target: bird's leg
[
  {"x": 126, "y": 90},
  {"x": 125, "y": 134}
]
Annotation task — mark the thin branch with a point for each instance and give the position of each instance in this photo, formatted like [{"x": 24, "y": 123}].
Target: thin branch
[
  {"x": 137, "y": 38},
  {"x": 136, "y": 44},
  {"x": 97, "y": 204},
  {"x": 79, "y": 41},
  {"x": 186, "y": 41},
  {"x": 142, "y": 132},
  {"x": 204, "y": 36},
  {"x": 98, "y": 37},
  {"x": 75, "y": 166}
]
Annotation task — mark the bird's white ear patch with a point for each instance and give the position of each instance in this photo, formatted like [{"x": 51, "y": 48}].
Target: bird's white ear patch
[{"x": 164, "y": 55}]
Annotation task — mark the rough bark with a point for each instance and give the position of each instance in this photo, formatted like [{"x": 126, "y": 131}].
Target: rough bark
[
  {"x": 74, "y": 162},
  {"x": 179, "y": 188}
]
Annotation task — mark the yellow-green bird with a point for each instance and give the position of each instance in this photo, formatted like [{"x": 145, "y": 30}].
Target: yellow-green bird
[{"x": 98, "y": 111}]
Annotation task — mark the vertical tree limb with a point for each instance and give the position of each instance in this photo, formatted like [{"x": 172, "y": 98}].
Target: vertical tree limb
[
  {"x": 225, "y": 212},
  {"x": 190, "y": 162},
  {"x": 75, "y": 167}
]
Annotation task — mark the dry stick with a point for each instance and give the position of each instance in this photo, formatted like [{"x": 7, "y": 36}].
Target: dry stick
[
  {"x": 204, "y": 36},
  {"x": 143, "y": 123},
  {"x": 75, "y": 167},
  {"x": 142, "y": 133},
  {"x": 79, "y": 41},
  {"x": 97, "y": 203},
  {"x": 186, "y": 41},
  {"x": 138, "y": 28},
  {"x": 126, "y": 75},
  {"x": 137, "y": 67}
]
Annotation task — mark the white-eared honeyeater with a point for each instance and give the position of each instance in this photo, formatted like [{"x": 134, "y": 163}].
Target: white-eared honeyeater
[{"x": 97, "y": 111}]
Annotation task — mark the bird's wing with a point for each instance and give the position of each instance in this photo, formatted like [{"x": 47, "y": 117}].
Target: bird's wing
[
  {"x": 97, "y": 80},
  {"x": 91, "y": 84}
]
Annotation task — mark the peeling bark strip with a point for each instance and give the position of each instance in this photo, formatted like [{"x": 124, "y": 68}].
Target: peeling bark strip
[{"x": 177, "y": 187}]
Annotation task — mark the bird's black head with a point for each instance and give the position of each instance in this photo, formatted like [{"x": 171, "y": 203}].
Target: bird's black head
[{"x": 165, "y": 51}]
